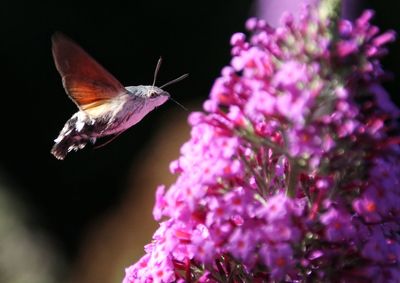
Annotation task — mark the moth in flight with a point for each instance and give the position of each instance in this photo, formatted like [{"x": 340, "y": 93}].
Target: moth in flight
[{"x": 105, "y": 106}]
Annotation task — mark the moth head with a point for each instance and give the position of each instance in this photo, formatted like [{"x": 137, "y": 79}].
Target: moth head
[{"x": 156, "y": 95}]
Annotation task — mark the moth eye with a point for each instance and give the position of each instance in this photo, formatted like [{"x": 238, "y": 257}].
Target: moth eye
[{"x": 153, "y": 94}]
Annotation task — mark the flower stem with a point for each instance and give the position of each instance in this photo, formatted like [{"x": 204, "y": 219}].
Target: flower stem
[{"x": 292, "y": 181}]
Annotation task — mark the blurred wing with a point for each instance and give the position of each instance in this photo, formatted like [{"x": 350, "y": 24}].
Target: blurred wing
[{"x": 86, "y": 81}]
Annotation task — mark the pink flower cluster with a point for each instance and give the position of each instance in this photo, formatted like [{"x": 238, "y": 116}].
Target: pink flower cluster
[{"x": 292, "y": 173}]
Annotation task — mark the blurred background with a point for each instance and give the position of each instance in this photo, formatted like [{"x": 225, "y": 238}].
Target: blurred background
[{"x": 86, "y": 218}]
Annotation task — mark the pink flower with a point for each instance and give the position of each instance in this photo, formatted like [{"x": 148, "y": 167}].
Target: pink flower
[
  {"x": 292, "y": 171},
  {"x": 279, "y": 258},
  {"x": 338, "y": 225}
]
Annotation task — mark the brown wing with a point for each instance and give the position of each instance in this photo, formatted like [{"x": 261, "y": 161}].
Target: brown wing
[{"x": 85, "y": 80}]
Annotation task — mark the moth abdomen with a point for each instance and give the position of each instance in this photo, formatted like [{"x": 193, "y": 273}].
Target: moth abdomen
[{"x": 76, "y": 133}]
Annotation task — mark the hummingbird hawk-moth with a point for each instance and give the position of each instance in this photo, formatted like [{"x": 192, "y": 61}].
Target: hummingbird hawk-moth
[{"x": 105, "y": 106}]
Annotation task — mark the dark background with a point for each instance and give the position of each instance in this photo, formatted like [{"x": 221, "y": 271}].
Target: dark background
[{"x": 126, "y": 37}]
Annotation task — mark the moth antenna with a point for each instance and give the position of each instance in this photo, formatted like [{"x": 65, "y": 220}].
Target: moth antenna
[
  {"x": 172, "y": 82},
  {"x": 156, "y": 71},
  {"x": 175, "y": 80},
  {"x": 183, "y": 107}
]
